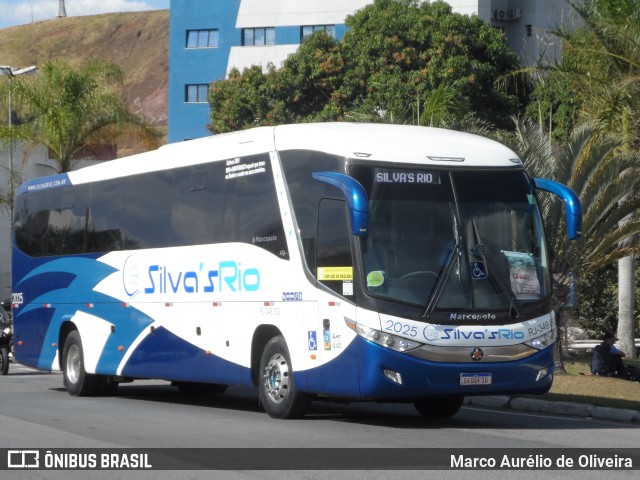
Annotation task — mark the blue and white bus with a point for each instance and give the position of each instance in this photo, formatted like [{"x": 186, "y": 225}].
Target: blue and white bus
[{"x": 315, "y": 261}]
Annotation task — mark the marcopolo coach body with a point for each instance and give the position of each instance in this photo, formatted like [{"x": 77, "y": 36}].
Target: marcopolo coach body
[{"x": 315, "y": 261}]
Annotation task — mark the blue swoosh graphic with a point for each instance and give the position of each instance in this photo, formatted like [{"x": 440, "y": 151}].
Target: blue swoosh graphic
[{"x": 87, "y": 273}]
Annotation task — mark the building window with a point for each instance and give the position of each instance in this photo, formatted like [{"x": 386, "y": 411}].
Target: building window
[
  {"x": 258, "y": 36},
  {"x": 529, "y": 30},
  {"x": 196, "y": 93},
  {"x": 308, "y": 30},
  {"x": 202, "y": 38}
]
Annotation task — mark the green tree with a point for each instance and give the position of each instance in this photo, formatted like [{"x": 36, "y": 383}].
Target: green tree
[
  {"x": 401, "y": 61},
  {"x": 597, "y": 302},
  {"x": 604, "y": 60},
  {"x": 307, "y": 85},
  {"x": 400, "y": 51},
  {"x": 596, "y": 310},
  {"x": 590, "y": 162},
  {"x": 65, "y": 109},
  {"x": 554, "y": 105},
  {"x": 598, "y": 76},
  {"x": 598, "y": 81}
]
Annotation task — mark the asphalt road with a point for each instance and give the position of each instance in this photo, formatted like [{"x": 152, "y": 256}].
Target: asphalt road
[{"x": 36, "y": 412}]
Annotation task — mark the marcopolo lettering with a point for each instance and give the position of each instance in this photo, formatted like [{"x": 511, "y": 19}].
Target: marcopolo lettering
[
  {"x": 229, "y": 276},
  {"x": 472, "y": 316},
  {"x": 269, "y": 238}
]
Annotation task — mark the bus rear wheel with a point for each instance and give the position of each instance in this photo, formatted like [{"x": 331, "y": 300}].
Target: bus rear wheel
[
  {"x": 444, "y": 407},
  {"x": 278, "y": 394},
  {"x": 77, "y": 381}
]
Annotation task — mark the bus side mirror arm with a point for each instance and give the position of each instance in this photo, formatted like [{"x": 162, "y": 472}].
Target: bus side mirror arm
[
  {"x": 573, "y": 209},
  {"x": 356, "y": 198}
]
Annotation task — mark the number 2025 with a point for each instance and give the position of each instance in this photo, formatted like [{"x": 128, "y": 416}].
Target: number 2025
[{"x": 399, "y": 327}]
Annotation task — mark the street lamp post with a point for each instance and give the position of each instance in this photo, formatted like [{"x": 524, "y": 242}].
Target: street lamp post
[{"x": 11, "y": 72}]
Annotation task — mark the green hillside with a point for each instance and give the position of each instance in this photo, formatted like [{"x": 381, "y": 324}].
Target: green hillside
[{"x": 137, "y": 42}]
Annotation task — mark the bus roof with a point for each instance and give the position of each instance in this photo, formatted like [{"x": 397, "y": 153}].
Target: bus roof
[
  {"x": 375, "y": 142},
  {"x": 398, "y": 143}
]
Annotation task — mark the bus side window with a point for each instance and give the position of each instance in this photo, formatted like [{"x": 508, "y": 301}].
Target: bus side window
[
  {"x": 196, "y": 214},
  {"x": 251, "y": 211},
  {"x": 334, "y": 262},
  {"x": 306, "y": 192},
  {"x": 32, "y": 223}
]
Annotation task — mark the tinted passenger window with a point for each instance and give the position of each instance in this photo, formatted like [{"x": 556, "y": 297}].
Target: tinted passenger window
[
  {"x": 232, "y": 201},
  {"x": 251, "y": 210},
  {"x": 147, "y": 221},
  {"x": 306, "y": 192},
  {"x": 196, "y": 214}
]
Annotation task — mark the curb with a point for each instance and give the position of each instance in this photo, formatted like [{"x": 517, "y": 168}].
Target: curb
[{"x": 559, "y": 408}]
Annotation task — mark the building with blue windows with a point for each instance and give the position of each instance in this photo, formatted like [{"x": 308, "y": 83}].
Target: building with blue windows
[{"x": 210, "y": 37}]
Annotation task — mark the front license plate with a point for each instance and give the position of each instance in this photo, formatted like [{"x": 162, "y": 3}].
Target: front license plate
[{"x": 475, "y": 379}]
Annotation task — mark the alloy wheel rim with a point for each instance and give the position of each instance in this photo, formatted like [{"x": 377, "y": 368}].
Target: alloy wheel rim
[
  {"x": 74, "y": 364},
  {"x": 276, "y": 378}
]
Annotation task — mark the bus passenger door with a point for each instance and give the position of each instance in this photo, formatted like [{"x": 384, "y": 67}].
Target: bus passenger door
[{"x": 334, "y": 270}]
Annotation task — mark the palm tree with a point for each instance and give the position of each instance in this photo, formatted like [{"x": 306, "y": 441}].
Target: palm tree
[
  {"x": 592, "y": 165},
  {"x": 602, "y": 63},
  {"x": 443, "y": 107},
  {"x": 615, "y": 57},
  {"x": 67, "y": 109}
]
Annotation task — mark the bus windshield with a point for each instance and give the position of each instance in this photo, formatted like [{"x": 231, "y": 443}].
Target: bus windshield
[{"x": 458, "y": 240}]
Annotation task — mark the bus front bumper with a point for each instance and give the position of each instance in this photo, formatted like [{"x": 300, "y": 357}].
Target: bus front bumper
[{"x": 384, "y": 374}]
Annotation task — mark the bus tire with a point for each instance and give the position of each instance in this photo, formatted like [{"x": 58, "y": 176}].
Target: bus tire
[
  {"x": 278, "y": 394},
  {"x": 4, "y": 360},
  {"x": 77, "y": 381},
  {"x": 443, "y": 407}
]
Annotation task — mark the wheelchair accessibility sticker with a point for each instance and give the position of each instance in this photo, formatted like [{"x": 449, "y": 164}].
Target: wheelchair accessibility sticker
[
  {"x": 313, "y": 341},
  {"x": 478, "y": 270}
]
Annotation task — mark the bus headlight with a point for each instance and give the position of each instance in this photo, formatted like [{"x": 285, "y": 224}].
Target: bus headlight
[
  {"x": 543, "y": 341},
  {"x": 393, "y": 342}
]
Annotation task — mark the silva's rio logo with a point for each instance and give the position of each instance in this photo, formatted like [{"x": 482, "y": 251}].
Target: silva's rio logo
[
  {"x": 498, "y": 334},
  {"x": 156, "y": 278}
]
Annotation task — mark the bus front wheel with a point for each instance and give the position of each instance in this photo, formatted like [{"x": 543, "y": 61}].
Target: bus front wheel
[
  {"x": 77, "y": 381},
  {"x": 444, "y": 407},
  {"x": 278, "y": 394}
]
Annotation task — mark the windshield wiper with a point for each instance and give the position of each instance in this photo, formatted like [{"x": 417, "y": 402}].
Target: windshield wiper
[{"x": 438, "y": 289}]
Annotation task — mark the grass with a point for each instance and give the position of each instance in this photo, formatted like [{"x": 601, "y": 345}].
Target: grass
[{"x": 579, "y": 386}]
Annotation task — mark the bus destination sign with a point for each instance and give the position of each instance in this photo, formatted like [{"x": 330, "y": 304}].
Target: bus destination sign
[{"x": 407, "y": 177}]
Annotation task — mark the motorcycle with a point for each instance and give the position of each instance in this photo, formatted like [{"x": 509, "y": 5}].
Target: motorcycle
[{"x": 6, "y": 342}]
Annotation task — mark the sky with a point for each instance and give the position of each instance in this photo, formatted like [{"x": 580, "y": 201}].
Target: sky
[{"x": 21, "y": 12}]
